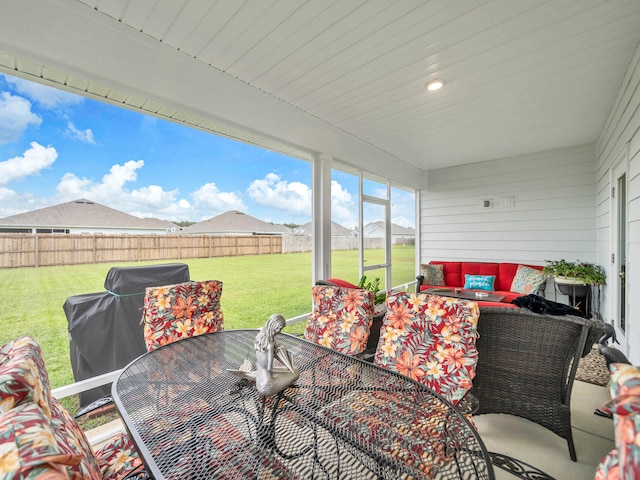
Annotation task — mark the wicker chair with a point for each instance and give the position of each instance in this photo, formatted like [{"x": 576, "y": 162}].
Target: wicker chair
[{"x": 527, "y": 364}]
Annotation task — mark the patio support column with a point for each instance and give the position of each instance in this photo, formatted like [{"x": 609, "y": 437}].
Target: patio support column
[{"x": 321, "y": 217}]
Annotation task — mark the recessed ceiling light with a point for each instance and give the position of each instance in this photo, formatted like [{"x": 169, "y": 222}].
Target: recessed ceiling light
[{"x": 434, "y": 85}]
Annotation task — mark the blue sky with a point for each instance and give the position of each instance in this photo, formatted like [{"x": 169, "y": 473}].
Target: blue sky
[{"x": 56, "y": 147}]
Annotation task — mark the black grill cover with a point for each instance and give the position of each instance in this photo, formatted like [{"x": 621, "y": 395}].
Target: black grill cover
[{"x": 105, "y": 332}]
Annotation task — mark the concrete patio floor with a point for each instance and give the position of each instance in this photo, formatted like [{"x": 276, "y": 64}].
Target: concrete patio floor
[
  {"x": 529, "y": 442},
  {"x": 537, "y": 446}
]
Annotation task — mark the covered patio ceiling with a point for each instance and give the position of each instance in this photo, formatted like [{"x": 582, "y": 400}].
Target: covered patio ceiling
[{"x": 343, "y": 78}]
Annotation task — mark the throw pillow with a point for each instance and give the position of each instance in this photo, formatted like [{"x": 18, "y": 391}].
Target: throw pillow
[
  {"x": 29, "y": 449},
  {"x": 479, "y": 282},
  {"x": 433, "y": 274},
  {"x": 527, "y": 280},
  {"x": 340, "y": 319}
]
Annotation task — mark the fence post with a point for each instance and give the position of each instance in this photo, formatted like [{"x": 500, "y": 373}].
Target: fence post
[{"x": 36, "y": 258}]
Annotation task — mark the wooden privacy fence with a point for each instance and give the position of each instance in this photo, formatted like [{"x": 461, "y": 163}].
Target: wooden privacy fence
[{"x": 49, "y": 249}]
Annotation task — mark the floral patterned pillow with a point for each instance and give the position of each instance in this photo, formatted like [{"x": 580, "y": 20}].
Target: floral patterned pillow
[
  {"x": 341, "y": 318},
  {"x": 28, "y": 448},
  {"x": 173, "y": 312},
  {"x": 432, "y": 340},
  {"x": 527, "y": 280},
  {"x": 433, "y": 274},
  {"x": 23, "y": 376}
]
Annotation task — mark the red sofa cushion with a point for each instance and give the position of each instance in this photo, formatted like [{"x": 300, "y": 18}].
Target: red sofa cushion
[
  {"x": 471, "y": 268},
  {"x": 452, "y": 273},
  {"x": 342, "y": 283}
]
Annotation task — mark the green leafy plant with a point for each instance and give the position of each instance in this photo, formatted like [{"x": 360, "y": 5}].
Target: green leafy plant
[
  {"x": 373, "y": 286},
  {"x": 588, "y": 273}
]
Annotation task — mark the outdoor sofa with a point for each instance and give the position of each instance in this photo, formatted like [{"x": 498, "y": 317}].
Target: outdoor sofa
[{"x": 512, "y": 280}]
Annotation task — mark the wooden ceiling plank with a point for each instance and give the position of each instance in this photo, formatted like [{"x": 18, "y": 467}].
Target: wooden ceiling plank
[
  {"x": 209, "y": 26},
  {"x": 162, "y": 17},
  {"x": 239, "y": 25},
  {"x": 137, "y": 12},
  {"x": 280, "y": 42},
  {"x": 113, "y": 8},
  {"x": 255, "y": 38},
  {"x": 183, "y": 25}
]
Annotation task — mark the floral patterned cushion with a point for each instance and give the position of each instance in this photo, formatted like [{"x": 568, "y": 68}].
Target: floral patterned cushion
[
  {"x": 624, "y": 462},
  {"x": 527, "y": 280},
  {"x": 431, "y": 339},
  {"x": 173, "y": 312},
  {"x": 341, "y": 318},
  {"x": 433, "y": 274},
  {"x": 39, "y": 438},
  {"x": 71, "y": 440},
  {"x": 28, "y": 449},
  {"x": 23, "y": 376},
  {"x": 117, "y": 457}
]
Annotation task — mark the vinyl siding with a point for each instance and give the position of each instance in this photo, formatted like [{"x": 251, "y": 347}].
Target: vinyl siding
[
  {"x": 553, "y": 216},
  {"x": 621, "y": 139}
]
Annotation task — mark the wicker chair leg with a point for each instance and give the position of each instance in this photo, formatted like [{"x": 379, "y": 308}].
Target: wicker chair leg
[{"x": 572, "y": 449}]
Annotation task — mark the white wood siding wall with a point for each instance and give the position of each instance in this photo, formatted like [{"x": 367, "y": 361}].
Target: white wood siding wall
[
  {"x": 553, "y": 214},
  {"x": 622, "y": 135}
]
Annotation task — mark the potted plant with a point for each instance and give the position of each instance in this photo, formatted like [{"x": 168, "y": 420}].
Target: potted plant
[
  {"x": 373, "y": 286},
  {"x": 575, "y": 273},
  {"x": 576, "y": 279}
]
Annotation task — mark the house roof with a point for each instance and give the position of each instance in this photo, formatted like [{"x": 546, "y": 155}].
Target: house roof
[
  {"x": 395, "y": 229},
  {"x": 235, "y": 221},
  {"x": 345, "y": 78},
  {"x": 158, "y": 223},
  {"x": 337, "y": 230},
  {"x": 79, "y": 213}
]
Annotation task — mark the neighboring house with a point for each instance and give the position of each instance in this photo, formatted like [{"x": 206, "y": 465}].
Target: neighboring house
[
  {"x": 168, "y": 226},
  {"x": 235, "y": 222},
  {"x": 337, "y": 230},
  {"x": 399, "y": 235},
  {"x": 82, "y": 216}
]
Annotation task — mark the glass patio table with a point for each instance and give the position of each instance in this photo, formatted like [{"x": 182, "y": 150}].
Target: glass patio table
[{"x": 189, "y": 417}]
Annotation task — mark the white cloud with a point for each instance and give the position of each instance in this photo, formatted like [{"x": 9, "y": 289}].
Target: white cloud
[
  {"x": 403, "y": 208},
  {"x": 48, "y": 97},
  {"x": 403, "y": 221},
  {"x": 343, "y": 209},
  {"x": 85, "y": 136},
  {"x": 15, "y": 117},
  {"x": 271, "y": 191},
  {"x": 31, "y": 162},
  {"x": 109, "y": 189},
  {"x": 143, "y": 202},
  {"x": 211, "y": 201}
]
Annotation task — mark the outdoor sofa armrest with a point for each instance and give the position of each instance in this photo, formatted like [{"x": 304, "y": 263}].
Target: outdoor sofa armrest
[{"x": 419, "y": 280}]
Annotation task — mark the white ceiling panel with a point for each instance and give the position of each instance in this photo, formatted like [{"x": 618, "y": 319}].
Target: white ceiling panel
[{"x": 522, "y": 76}]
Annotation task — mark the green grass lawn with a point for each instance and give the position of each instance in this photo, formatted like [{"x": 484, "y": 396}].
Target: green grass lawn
[{"x": 254, "y": 287}]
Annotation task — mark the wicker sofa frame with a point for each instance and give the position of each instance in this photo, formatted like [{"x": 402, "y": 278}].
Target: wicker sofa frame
[{"x": 527, "y": 365}]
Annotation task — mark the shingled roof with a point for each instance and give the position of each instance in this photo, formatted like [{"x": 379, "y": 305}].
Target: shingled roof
[
  {"x": 78, "y": 213},
  {"x": 337, "y": 230},
  {"x": 395, "y": 228},
  {"x": 233, "y": 222}
]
